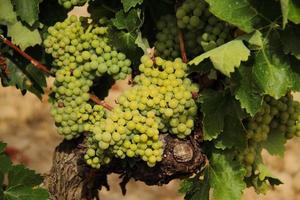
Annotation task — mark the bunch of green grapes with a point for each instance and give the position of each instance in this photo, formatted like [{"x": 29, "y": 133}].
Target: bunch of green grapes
[
  {"x": 281, "y": 115},
  {"x": 189, "y": 14},
  {"x": 80, "y": 55},
  {"x": 167, "y": 43},
  {"x": 214, "y": 33},
  {"x": 159, "y": 102},
  {"x": 68, "y": 4}
]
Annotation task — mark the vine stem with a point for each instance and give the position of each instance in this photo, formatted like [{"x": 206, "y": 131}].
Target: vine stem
[
  {"x": 182, "y": 46},
  {"x": 33, "y": 61},
  {"x": 98, "y": 101}
]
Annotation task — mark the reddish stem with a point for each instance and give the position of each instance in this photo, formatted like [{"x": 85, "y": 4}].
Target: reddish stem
[
  {"x": 182, "y": 47},
  {"x": 33, "y": 61},
  {"x": 98, "y": 101}
]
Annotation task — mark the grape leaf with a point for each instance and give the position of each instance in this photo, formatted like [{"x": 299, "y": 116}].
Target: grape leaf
[
  {"x": 233, "y": 134},
  {"x": 272, "y": 73},
  {"x": 195, "y": 189},
  {"x": 142, "y": 42},
  {"x": 27, "y": 10},
  {"x": 130, "y": 21},
  {"x": 125, "y": 42},
  {"x": 264, "y": 171},
  {"x": 225, "y": 58},
  {"x": 28, "y": 78},
  {"x": 290, "y": 38},
  {"x": 294, "y": 11},
  {"x": 285, "y": 11},
  {"x": 21, "y": 192},
  {"x": 255, "y": 39},
  {"x": 237, "y": 12},
  {"x": 23, "y": 36},
  {"x": 5, "y": 163},
  {"x": 19, "y": 175},
  {"x": 275, "y": 143},
  {"x": 212, "y": 107},
  {"x": 226, "y": 177},
  {"x": 7, "y": 13},
  {"x": 215, "y": 107},
  {"x": 247, "y": 91},
  {"x": 127, "y": 4},
  {"x": 1, "y": 193},
  {"x": 2, "y": 147}
]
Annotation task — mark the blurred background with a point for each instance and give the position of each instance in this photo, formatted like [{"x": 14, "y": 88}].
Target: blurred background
[{"x": 28, "y": 129}]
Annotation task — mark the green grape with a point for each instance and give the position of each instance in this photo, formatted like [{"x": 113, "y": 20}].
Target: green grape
[
  {"x": 166, "y": 38},
  {"x": 76, "y": 61},
  {"x": 69, "y": 4},
  {"x": 132, "y": 130},
  {"x": 189, "y": 14}
]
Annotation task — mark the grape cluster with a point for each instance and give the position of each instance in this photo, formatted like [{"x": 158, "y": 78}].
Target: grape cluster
[
  {"x": 167, "y": 44},
  {"x": 214, "y": 33},
  {"x": 159, "y": 102},
  {"x": 210, "y": 32},
  {"x": 68, "y": 4},
  {"x": 189, "y": 14},
  {"x": 80, "y": 55},
  {"x": 282, "y": 115}
]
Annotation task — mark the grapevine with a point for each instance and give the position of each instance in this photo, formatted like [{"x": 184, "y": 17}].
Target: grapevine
[{"x": 211, "y": 85}]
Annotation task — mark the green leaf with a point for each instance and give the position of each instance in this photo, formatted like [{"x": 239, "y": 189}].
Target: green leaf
[
  {"x": 215, "y": 107},
  {"x": 290, "y": 38},
  {"x": 237, "y": 12},
  {"x": 247, "y": 91},
  {"x": 196, "y": 189},
  {"x": 233, "y": 134},
  {"x": 142, "y": 42},
  {"x": 2, "y": 147},
  {"x": 285, "y": 11},
  {"x": 264, "y": 171},
  {"x": 212, "y": 106},
  {"x": 275, "y": 143},
  {"x": 19, "y": 175},
  {"x": 130, "y": 21},
  {"x": 226, "y": 177},
  {"x": 28, "y": 78},
  {"x": 125, "y": 42},
  {"x": 23, "y": 36},
  {"x": 127, "y": 4},
  {"x": 21, "y": 192},
  {"x": 27, "y": 10},
  {"x": 294, "y": 11},
  {"x": 5, "y": 163},
  {"x": 255, "y": 39},
  {"x": 272, "y": 73},
  {"x": 225, "y": 58},
  {"x": 7, "y": 13},
  {"x": 1, "y": 193},
  {"x": 36, "y": 75}
]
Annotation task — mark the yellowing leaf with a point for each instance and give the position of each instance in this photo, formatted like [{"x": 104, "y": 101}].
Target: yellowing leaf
[
  {"x": 226, "y": 57},
  {"x": 22, "y": 36},
  {"x": 7, "y": 14}
]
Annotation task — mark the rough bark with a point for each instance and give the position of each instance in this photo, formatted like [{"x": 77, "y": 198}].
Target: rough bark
[{"x": 71, "y": 179}]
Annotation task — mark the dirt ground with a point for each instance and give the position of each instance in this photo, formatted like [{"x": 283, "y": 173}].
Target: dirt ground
[{"x": 26, "y": 125}]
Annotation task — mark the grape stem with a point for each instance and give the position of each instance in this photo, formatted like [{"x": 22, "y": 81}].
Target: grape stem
[
  {"x": 33, "y": 61},
  {"x": 182, "y": 47},
  {"x": 98, "y": 101}
]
